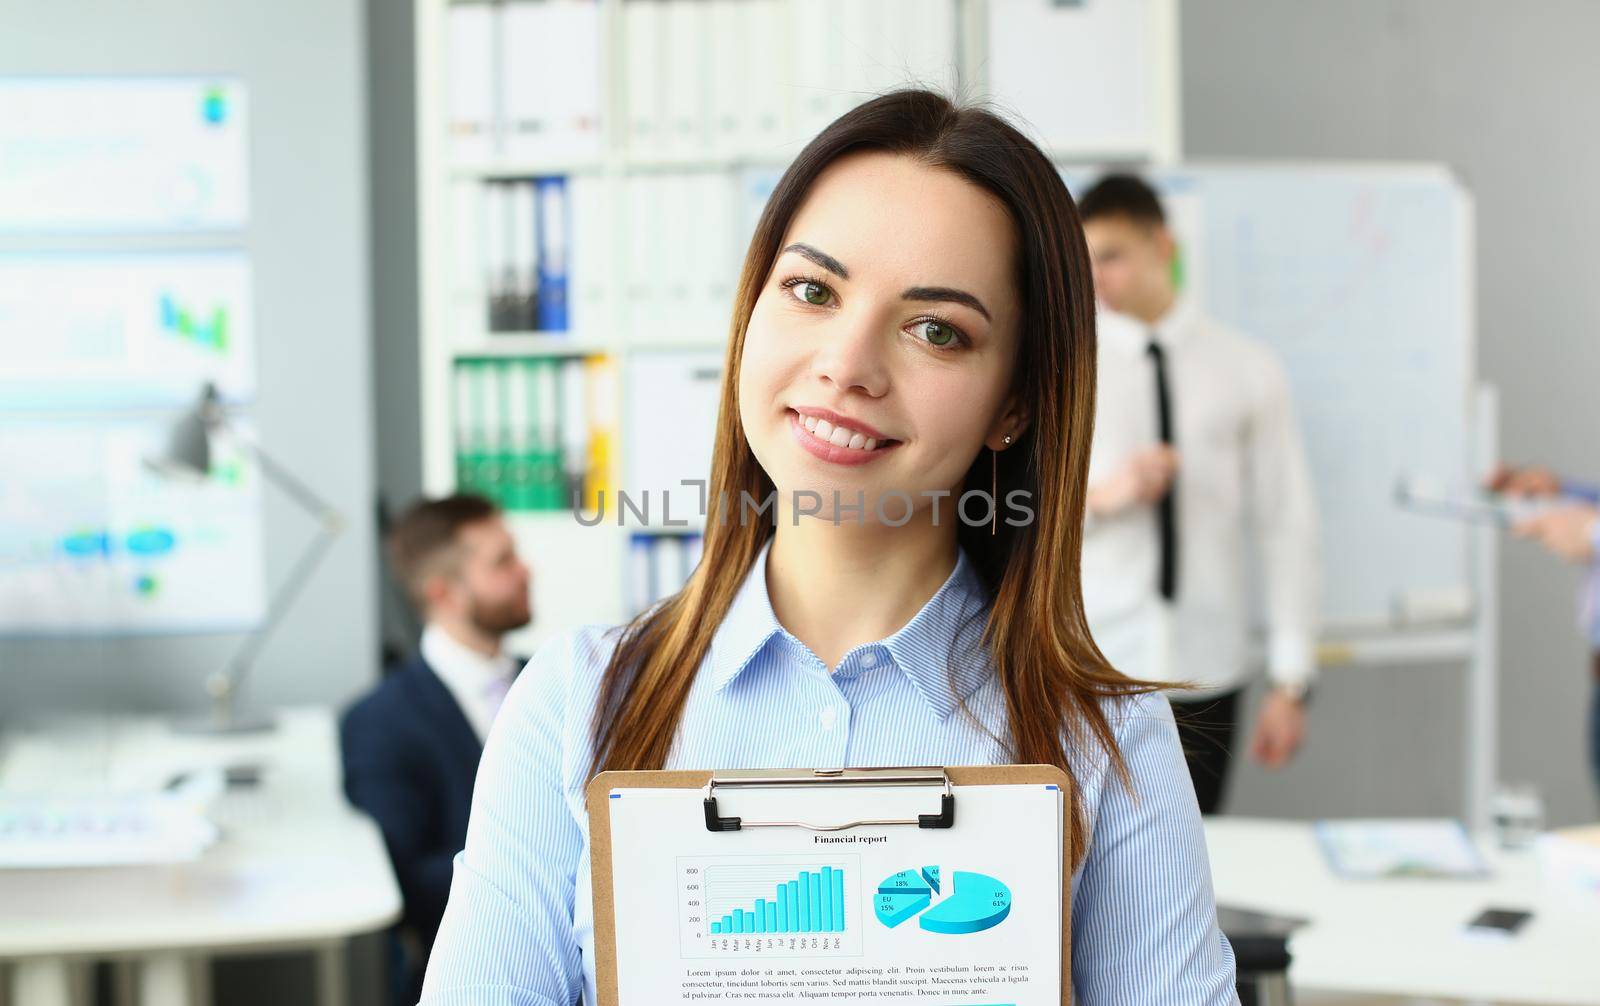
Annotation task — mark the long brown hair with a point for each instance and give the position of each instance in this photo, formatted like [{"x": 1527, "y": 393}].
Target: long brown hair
[{"x": 1053, "y": 676}]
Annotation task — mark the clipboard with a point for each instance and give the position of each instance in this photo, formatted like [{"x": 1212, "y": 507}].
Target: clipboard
[
  {"x": 709, "y": 789},
  {"x": 1470, "y": 508}
]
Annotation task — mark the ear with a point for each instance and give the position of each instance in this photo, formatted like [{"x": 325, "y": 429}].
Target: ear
[
  {"x": 1012, "y": 422},
  {"x": 1166, "y": 244},
  {"x": 437, "y": 591}
]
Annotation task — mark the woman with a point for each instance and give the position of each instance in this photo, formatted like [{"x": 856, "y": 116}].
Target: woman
[{"x": 915, "y": 319}]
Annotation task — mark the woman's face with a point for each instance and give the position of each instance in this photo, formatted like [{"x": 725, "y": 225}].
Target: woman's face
[{"x": 880, "y": 352}]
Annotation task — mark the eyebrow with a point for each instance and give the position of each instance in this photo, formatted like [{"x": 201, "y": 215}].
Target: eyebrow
[
  {"x": 923, "y": 293},
  {"x": 946, "y": 293},
  {"x": 821, "y": 258}
]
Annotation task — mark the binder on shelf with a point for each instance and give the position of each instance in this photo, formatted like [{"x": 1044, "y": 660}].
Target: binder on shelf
[
  {"x": 684, "y": 257},
  {"x": 553, "y": 240},
  {"x": 659, "y": 564},
  {"x": 497, "y": 257},
  {"x": 765, "y": 110},
  {"x": 519, "y": 436},
  {"x": 524, "y": 81},
  {"x": 468, "y": 403},
  {"x": 644, "y": 289},
  {"x": 549, "y": 477},
  {"x": 471, "y": 86},
  {"x": 529, "y": 88},
  {"x": 579, "y": 61},
  {"x": 729, "y": 76},
  {"x": 524, "y": 270},
  {"x": 601, "y": 382},
  {"x": 528, "y": 431},
  {"x": 672, "y": 565},
  {"x": 642, "y": 30},
  {"x": 525, "y": 228},
  {"x": 574, "y": 434},
  {"x": 683, "y": 114},
  {"x": 812, "y": 83},
  {"x": 590, "y": 221},
  {"x": 721, "y": 253}
]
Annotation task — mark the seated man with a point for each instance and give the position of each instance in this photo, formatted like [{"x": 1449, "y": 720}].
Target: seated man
[{"x": 411, "y": 747}]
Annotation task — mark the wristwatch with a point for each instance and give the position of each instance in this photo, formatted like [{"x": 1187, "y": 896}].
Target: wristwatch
[{"x": 1300, "y": 691}]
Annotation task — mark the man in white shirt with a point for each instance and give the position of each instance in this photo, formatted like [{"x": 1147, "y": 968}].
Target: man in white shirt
[
  {"x": 1195, "y": 445},
  {"x": 411, "y": 747}
]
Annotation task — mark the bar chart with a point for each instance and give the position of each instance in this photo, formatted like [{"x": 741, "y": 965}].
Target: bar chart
[
  {"x": 770, "y": 904},
  {"x": 813, "y": 902}
]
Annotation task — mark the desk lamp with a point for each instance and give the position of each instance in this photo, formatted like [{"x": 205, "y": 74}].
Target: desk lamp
[{"x": 189, "y": 453}]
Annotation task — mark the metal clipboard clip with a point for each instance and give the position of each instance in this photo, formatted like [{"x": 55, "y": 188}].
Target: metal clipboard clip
[{"x": 945, "y": 818}]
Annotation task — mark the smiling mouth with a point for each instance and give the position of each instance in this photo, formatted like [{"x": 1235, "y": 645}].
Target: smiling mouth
[{"x": 841, "y": 436}]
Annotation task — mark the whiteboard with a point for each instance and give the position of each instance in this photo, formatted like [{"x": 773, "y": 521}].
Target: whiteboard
[{"x": 1360, "y": 277}]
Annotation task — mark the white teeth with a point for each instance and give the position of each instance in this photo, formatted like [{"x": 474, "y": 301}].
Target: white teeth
[{"x": 838, "y": 436}]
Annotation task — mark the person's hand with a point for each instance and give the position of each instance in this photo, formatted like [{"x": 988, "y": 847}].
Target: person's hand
[
  {"x": 1530, "y": 480},
  {"x": 1280, "y": 729},
  {"x": 1142, "y": 479},
  {"x": 1567, "y": 531}
]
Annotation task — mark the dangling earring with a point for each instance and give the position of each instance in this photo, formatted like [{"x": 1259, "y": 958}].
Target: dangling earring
[{"x": 994, "y": 487}]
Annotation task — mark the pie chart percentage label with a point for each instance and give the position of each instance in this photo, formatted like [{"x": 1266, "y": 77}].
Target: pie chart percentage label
[{"x": 973, "y": 902}]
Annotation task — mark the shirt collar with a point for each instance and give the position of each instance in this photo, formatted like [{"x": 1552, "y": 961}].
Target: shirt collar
[
  {"x": 1127, "y": 333},
  {"x": 460, "y": 665},
  {"x": 1175, "y": 324},
  {"x": 939, "y": 650}
]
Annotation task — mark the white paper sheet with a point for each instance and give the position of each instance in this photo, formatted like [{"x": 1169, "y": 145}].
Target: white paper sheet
[{"x": 969, "y": 915}]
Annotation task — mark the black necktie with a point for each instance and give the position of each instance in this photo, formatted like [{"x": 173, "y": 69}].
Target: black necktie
[{"x": 1166, "y": 508}]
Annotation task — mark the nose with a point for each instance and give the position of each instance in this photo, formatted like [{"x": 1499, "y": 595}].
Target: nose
[{"x": 852, "y": 354}]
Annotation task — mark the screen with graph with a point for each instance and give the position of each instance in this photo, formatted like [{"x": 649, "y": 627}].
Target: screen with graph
[
  {"x": 125, "y": 288},
  {"x": 109, "y": 154},
  {"x": 127, "y": 331},
  {"x": 94, "y": 539}
]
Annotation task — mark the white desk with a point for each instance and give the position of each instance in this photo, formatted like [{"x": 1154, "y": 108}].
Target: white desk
[
  {"x": 1403, "y": 937},
  {"x": 295, "y": 867}
]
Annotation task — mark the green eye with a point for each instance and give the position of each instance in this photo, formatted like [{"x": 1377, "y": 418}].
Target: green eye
[
  {"x": 938, "y": 333},
  {"x": 814, "y": 293}
]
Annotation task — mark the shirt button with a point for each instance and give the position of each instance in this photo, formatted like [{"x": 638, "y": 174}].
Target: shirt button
[
  {"x": 828, "y": 717},
  {"x": 869, "y": 659}
]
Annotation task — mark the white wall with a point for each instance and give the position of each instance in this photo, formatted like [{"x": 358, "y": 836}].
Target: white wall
[
  {"x": 396, "y": 361},
  {"x": 1504, "y": 93},
  {"x": 304, "y": 64}
]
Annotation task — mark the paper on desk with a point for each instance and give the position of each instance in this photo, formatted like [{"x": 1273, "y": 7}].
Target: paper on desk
[
  {"x": 1571, "y": 860},
  {"x": 969, "y": 915},
  {"x": 41, "y": 832},
  {"x": 1385, "y": 848}
]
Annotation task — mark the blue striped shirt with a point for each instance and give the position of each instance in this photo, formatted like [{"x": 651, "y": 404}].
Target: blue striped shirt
[
  {"x": 519, "y": 926},
  {"x": 1589, "y": 597}
]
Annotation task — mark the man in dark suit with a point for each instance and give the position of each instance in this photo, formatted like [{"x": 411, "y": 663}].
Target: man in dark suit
[{"x": 411, "y": 746}]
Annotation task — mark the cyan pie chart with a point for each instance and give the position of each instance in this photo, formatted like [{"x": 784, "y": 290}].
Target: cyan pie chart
[{"x": 973, "y": 902}]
